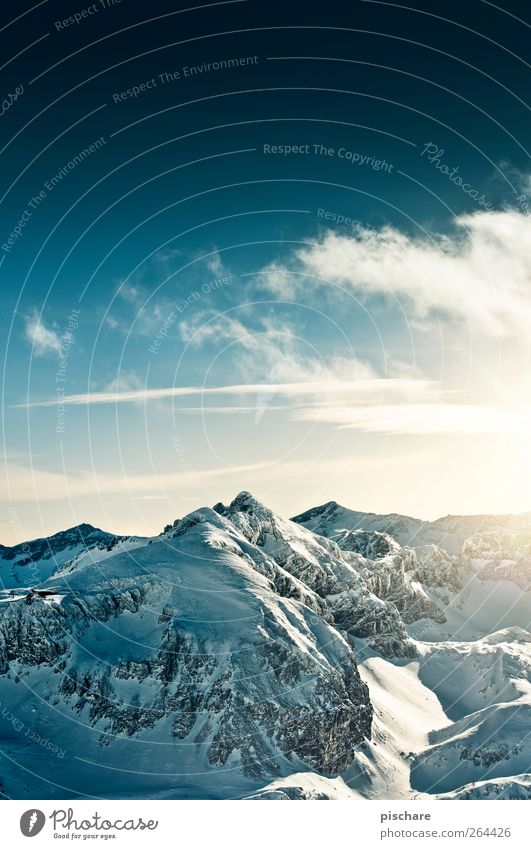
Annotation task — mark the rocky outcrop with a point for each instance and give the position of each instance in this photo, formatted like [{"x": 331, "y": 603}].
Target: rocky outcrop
[
  {"x": 394, "y": 579},
  {"x": 499, "y": 556},
  {"x": 398, "y": 575},
  {"x": 370, "y": 544},
  {"x": 31, "y": 634},
  {"x": 436, "y": 569},
  {"x": 320, "y": 565}
]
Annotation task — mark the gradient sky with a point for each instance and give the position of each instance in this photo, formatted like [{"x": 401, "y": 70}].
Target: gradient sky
[{"x": 183, "y": 314}]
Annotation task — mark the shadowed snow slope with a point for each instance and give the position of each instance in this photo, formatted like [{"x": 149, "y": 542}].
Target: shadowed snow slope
[{"x": 29, "y": 563}]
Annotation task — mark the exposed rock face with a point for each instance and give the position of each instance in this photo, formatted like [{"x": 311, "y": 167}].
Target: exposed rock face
[
  {"x": 320, "y": 564},
  {"x": 220, "y": 654},
  {"x": 394, "y": 579},
  {"x": 499, "y": 556},
  {"x": 45, "y": 548},
  {"x": 370, "y": 544},
  {"x": 435, "y": 568},
  {"x": 31, "y": 634},
  {"x": 394, "y": 574}
]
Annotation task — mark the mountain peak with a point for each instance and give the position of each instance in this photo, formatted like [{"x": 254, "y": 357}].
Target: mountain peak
[
  {"x": 244, "y": 502},
  {"x": 322, "y": 509},
  {"x": 81, "y": 533}
]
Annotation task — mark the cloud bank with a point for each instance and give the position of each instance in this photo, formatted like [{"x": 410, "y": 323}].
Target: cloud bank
[{"x": 479, "y": 274}]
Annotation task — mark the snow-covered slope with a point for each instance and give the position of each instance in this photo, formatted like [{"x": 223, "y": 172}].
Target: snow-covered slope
[
  {"x": 332, "y": 520},
  {"x": 243, "y": 655},
  {"x": 303, "y": 786},
  {"x": 513, "y": 789}
]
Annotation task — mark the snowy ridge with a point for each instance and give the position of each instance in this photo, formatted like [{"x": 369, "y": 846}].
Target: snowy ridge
[
  {"x": 448, "y": 532},
  {"x": 29, "y": 563}
]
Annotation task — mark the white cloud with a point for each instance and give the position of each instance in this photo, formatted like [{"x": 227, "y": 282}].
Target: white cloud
[
  {"x": 28, "y": 484},
  {"x": 420, "y": 419},
  {"x": 480, "y": 274},
  {"x": 146, "y": 312},
  {"x": 216, "y": 266},
  {"x": 272, "y": 352},
  {"x": 281, "y": 371},
  {"x": 276, "y": 362},
  {"x": 205, "y": 326},
  {"x": 132, "y": 294},
  {"x": 401, "y": 405},
  {"x": 110, "y": 322},
  {"x": 360, "y": 390},
  {"x": 125, "y": 381},
  {"x": 43, "y": 340}
]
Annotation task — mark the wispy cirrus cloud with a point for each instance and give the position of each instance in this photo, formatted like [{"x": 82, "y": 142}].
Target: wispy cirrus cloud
[
  {"x": 26, "y": 484},
  {"x": 43, "y": 339},
  {"x": 273, "y": 351},
  {"x": 365, "y": 388},
  {"x": 145, "y": 300},
  {"x": 378, "y": 405},
  {"x": 420, "y": 419},
  {"x": 279, "y": 373}
]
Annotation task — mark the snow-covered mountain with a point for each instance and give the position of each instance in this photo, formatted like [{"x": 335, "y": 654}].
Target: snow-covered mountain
[
  {"x": 239, "y": 654},
  {"x": 499, "y": 555},
  {"x": 448, "y": 532},
  {"x": 29, "y": 563}
]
